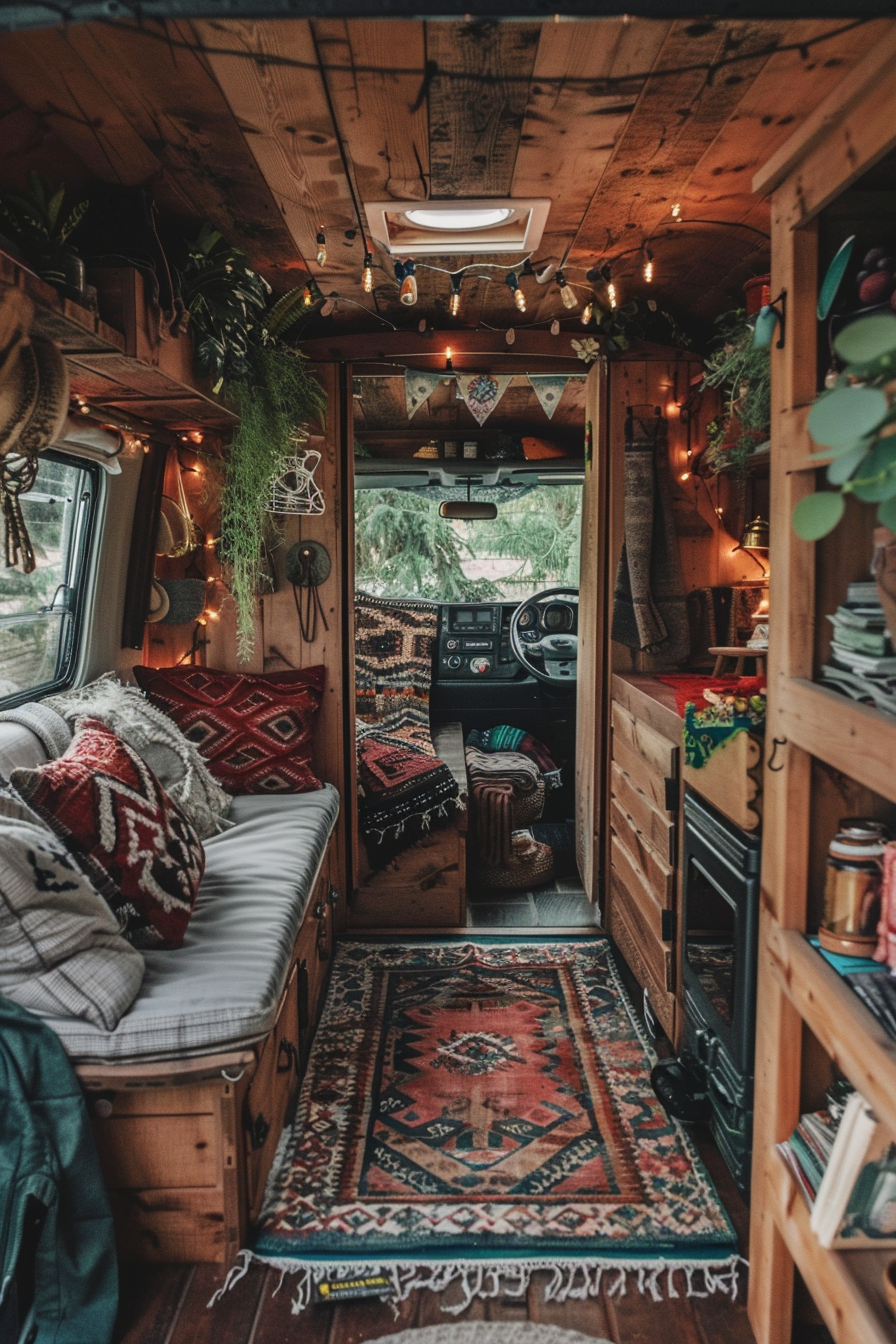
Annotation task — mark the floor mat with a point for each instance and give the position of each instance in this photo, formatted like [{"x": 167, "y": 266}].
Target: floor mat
[{"x": 478, "y": 1110}]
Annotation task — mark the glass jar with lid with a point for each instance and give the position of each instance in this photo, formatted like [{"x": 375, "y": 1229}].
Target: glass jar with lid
[{"x": 852, "y": 887}]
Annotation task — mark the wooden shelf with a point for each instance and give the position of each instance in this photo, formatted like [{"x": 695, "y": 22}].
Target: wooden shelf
[
  {"x": 855, "y": 739},
  {"x": 843, "y": 1026},
  {"x": 473, "y": 466},
  {"x": 107, "y": 373},
  {"x": 847, "y": 1285}
]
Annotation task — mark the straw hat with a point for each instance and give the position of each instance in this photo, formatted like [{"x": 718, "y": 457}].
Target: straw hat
[
  {"x": 34, "y": 395},
  {"x": 179, "y": 529},
  {"x": 158, "y": 603}
]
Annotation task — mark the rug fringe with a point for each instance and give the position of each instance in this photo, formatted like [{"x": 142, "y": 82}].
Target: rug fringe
[{"x": 570, "y": 1280}]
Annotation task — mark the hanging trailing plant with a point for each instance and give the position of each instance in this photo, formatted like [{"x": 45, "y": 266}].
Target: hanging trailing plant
[
  {"x": 743, "y": 375},
  {"x": 854, "y": 422},
  {"x": 277, "y": 399},
  {"x": 244, "y": 342},
  {"x": 224, "y": 299}
]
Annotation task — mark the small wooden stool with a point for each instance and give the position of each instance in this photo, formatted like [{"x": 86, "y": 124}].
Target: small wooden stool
[{"x": 738, "y": 657}]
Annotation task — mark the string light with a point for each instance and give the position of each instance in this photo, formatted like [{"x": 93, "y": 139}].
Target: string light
[
  {"x": 404, "y": 274},
  {"x": 367, "y": 274},
  {"x": 449, "y": 367},
  {"x": 454, "y": 301},
  {"x": 587, "y": 312},
  {"x": 648, "y": 266},
  {"x": 567, "y": 293},
  {"x": 611, "y": 293},
  {"x": 513, "y": 285},
  {"x": 676, "y": 213},
  {"x": 685, "y": 476},
  {"x": 321, "y": 241},
  {"x": 555, "y": 328}
]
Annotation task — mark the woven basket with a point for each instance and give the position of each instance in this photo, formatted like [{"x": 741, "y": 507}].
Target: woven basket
[
  {"x": 531, "y": 865},
  {"x": 528, "y": 807}
]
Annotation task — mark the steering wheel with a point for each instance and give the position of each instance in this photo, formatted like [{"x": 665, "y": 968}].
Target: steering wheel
[{"x": 550, "y": 655}]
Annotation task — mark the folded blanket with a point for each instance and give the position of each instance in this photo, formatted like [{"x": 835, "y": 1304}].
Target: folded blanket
[
  {"x": 506, "y": 739},
  {"x": 495, "y": 782},
  {"x": 404, "y": 791}
]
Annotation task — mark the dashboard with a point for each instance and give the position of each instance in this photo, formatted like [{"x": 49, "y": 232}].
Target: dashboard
[{"x": 474, "y": 638}]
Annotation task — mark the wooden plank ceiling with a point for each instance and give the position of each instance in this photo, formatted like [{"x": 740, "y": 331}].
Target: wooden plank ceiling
[{"x": 274, "y": 129}]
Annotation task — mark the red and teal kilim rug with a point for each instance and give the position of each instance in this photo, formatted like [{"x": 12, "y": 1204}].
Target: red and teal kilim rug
[{"x": 476, "y": 1111}]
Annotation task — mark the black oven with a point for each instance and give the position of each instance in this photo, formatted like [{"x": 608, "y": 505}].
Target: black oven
[{"x": 719, "y": 944}]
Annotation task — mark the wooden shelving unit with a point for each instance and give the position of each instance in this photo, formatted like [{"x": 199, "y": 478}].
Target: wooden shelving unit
[
  {"x": 125, "y": 371},
  {"x": 817, "y": 739}
]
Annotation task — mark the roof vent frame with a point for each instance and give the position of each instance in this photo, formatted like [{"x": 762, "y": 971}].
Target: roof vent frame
[{"x": 521, "y": 233}]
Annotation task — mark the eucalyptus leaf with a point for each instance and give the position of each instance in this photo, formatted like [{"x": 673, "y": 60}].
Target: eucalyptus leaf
[
  {"x": 846, "y": 414},
  {"x": 878, "y": 478},
  {"x": 886, "y": 514},
  {"x": 845, "y": 464},
  {"x": 817, "y": 515},
  {"x": 867, "y": 339}
]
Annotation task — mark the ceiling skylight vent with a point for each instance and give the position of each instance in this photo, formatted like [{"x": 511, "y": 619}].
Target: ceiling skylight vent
[{"x": 445, "y": 228}]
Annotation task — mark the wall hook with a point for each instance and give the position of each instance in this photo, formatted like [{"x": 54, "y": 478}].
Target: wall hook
[
  {"x": 769, "y": 316},
  {"x": 776, "y": 743}
]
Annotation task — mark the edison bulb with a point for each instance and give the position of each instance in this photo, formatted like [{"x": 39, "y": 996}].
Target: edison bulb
[
  {"x": 519, "y": 299},
  {"x": 408, "y": 291},
  {"x": 454, "y": 303},
  {"x": 567, "y": 293},
  {"x": 611, "y": 294},
  {"x": 367, "y": 274},
  {"x": 648, "y": 270},
  {"x": 587, "y": 312}
]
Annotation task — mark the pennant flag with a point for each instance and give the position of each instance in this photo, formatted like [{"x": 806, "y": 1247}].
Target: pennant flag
[
  {"x": 482, "y": 392},
  {"x": 418, "y": 387},
  {"x": 548, "y": 388}
]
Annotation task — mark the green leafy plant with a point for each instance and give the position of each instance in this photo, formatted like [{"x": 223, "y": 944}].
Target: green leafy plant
[
  {"x": 40, "y": 223},
  {"x": 276, "y": 400},
  {"x": 743, "y": 374},
  {"x": 638, "y": 320},
  {"x": 854, "y": 422},
  {"x": 225, "y": 300}
]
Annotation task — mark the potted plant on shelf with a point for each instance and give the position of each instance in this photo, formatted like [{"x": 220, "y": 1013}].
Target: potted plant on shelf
[
  {"x": 243, "y": 343},
  {"x": 742, "y": 374},
  {"x": 40, "y": 225}
]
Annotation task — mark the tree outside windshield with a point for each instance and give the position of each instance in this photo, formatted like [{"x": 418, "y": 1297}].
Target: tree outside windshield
[{"x": 403, "y": 549}]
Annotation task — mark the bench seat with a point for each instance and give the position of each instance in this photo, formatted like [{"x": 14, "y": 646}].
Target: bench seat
[{"x": 222, "y": 989}]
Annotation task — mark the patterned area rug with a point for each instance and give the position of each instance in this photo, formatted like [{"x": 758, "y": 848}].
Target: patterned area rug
[
  {"x": 490, "y": 1332},
  {"x": 476, "y": 1111}
]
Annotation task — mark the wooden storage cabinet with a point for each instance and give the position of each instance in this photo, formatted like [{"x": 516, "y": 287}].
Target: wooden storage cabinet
[
  {"x": 644, "y": 789},
  {"x": 186, "y": 1146}
]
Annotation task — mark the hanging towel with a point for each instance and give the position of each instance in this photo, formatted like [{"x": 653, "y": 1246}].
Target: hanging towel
[{"x": 649, "y": 612}]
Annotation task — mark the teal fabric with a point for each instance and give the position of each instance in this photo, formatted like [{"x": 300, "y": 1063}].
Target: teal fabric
[
  {"x": 705, "y": 730},
  {"x": 47, "y": 1150}
]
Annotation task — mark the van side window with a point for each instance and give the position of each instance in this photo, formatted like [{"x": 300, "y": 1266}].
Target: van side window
[{"x": 40, "y": 613}]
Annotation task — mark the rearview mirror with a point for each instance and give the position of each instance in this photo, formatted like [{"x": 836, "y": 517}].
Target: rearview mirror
[{"x": 467, "y": 509}]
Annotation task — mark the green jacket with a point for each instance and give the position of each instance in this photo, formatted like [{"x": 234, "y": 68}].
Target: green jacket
[{"x": 47, "y": 1150}]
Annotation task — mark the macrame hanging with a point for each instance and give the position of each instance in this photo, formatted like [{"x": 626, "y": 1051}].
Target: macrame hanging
[{"x": 294, "y": 490}]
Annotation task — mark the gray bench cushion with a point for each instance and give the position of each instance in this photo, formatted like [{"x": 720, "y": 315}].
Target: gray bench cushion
[{"x": 223, "y": 986}]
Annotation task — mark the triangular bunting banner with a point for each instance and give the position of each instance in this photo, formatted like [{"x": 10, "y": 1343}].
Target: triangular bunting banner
[
  {"x": 548, "y": 388},
  {"x": 418, "y": 387},
  {"x": 482, "y": 392}
]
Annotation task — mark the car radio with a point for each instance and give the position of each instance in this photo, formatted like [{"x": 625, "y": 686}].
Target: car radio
[{"x": 473, "y": 645}]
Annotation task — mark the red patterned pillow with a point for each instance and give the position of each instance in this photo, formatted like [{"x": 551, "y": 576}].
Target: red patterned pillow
[
  {"x": 254, "y": 731},
  {"x": 122, "y": 830}
]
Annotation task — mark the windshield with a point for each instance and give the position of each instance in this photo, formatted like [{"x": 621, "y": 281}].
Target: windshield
[{"x": 404, "y": 549}]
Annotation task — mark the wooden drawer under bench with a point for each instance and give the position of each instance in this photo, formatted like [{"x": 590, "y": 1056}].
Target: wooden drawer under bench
[{"x": 186, "y": 1146}]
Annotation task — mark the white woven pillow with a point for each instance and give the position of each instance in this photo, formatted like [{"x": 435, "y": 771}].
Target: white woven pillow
[
  {"x": 173, "y": 759},
  {"x": 61, "y": 953}
]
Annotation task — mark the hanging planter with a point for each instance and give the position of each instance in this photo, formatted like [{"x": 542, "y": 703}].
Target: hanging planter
[{"x": 742, "y": 373}]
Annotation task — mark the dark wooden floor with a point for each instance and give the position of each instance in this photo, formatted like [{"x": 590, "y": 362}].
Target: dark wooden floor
[{"x": 168, "y": 1305}]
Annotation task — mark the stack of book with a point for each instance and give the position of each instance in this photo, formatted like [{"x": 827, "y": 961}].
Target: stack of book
[
  {"x": 847, "y": 1171},
  {"x": 862, "y": 660}
]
